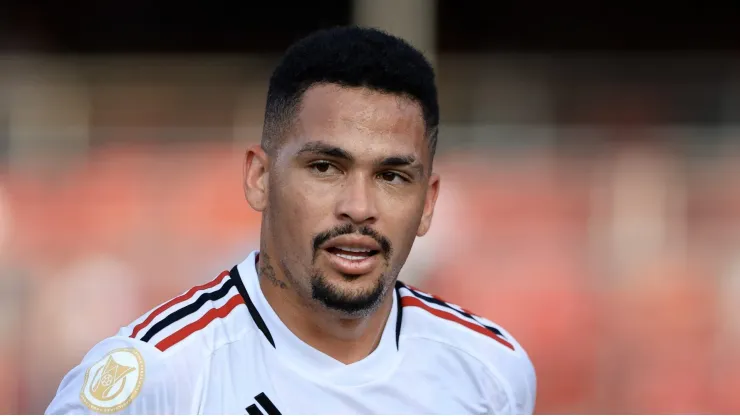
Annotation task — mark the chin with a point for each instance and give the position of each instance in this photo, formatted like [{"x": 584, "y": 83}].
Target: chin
[{"x": 350, "y": 295}]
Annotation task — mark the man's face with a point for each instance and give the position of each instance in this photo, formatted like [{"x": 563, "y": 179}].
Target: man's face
[{"x": 349, "y": 190}]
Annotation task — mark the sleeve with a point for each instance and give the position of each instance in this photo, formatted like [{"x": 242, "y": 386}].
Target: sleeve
[
  {"x": 513, "y": 385},
  {"x": 121, "y": 375},
  {"x": 523, "y": 386}
]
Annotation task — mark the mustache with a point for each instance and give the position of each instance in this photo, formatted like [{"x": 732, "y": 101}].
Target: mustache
[{"x": 321, "y": 238}]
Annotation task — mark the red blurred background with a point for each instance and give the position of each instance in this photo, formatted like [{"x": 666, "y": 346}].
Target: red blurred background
[{"x": 589, "y": 183}]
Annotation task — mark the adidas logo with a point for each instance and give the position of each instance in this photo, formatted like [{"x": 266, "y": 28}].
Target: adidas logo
[{"x": 266, "y": 405}]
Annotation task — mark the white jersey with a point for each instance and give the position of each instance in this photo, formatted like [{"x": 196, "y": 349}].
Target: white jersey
[{"x": 220, "y": 348}]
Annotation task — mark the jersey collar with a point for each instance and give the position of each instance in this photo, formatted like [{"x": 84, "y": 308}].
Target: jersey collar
[{"x": 306, "y": 359}]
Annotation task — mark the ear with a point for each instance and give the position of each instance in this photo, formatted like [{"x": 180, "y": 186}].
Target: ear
[
  {"x": 429, "y": 202},
  {"x": 256, "y": 177}
]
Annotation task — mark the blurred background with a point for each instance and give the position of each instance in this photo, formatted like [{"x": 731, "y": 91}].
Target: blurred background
[{"x": 590, "y": 200}]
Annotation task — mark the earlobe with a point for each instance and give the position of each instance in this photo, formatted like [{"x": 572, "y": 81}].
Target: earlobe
[
  {"x": 255, "y": 177},
  {"x": 429, "y": 202}
]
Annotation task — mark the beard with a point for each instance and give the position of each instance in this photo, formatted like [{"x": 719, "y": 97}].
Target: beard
[
  {"x": 350, "y": 302},
  {"x": 353, "y": 303}
]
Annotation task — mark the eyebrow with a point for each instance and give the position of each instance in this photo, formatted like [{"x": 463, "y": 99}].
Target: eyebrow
[{"x": 323, "y": 149}]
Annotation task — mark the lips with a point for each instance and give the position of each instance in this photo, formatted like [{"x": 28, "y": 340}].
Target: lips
[{"x": 353, "y": 255}]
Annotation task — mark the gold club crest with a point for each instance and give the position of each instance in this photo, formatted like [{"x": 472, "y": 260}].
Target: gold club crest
[{"x": 112, "y": 383}]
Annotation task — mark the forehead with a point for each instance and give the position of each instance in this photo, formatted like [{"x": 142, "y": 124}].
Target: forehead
[{"x": 360, "y": 120}]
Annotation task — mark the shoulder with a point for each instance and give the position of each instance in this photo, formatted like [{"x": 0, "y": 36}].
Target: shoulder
[
  {"x": 153, "y": 364},
  {"x": 121, "y": 374},
  {"x": 502, "y": 360},
  {"x": 200, "y": 319},
  {"x": 433, "y": 317}
]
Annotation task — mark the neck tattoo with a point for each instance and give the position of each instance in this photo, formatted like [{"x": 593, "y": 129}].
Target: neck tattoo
[{"x": 268, "y": 272}]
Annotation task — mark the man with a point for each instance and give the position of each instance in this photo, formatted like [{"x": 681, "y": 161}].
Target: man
[{"x": 315, "y": 321}]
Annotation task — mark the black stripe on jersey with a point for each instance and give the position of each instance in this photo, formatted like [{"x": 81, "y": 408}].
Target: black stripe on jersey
[
  {"x": 267, "y": 404},
  {"x": 463, "y": 313},
  {"x": 399, "y": 316},
  {"x": 254, "y": 410},
  {"x": 188, "y": 310},
  {"x": 236, "y": 277}
]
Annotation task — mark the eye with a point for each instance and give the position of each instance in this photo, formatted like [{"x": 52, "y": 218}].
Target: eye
[
  {"x": 322, "y": 167},
  {"x": 392, "y": 177}
]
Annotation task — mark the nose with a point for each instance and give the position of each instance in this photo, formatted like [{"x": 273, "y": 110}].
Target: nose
[{"x": 356, "y": 201}]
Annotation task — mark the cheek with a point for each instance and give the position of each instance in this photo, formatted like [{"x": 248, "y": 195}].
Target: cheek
[
  {"x": 301, "y": 207},
  {"x": 403, "y": 221},
  {"x": 309, "y": 202}
]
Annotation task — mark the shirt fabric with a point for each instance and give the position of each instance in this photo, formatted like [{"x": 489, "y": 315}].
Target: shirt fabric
[{"x": 220, "y": 348}]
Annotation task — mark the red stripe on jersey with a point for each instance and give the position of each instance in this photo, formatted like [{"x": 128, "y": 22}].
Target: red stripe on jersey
[
  {"x": 177, "y": 300},
  {"x": 201, "y": 323},
  {"x": 412, "y": 301},
  {"x": 415, "y": 289}
]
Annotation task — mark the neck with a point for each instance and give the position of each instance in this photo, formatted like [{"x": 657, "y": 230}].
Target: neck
[{"x": 347, "y": 340}]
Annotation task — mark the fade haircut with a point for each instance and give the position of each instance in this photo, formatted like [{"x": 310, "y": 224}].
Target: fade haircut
[{"x": 349, "y": 56}]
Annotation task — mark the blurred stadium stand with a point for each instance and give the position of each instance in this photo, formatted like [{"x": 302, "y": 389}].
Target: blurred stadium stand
[{"x": 590, "y": 162}]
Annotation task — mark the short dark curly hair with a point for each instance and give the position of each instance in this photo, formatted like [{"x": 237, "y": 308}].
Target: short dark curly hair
[{"x": 349, "y": 56}]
